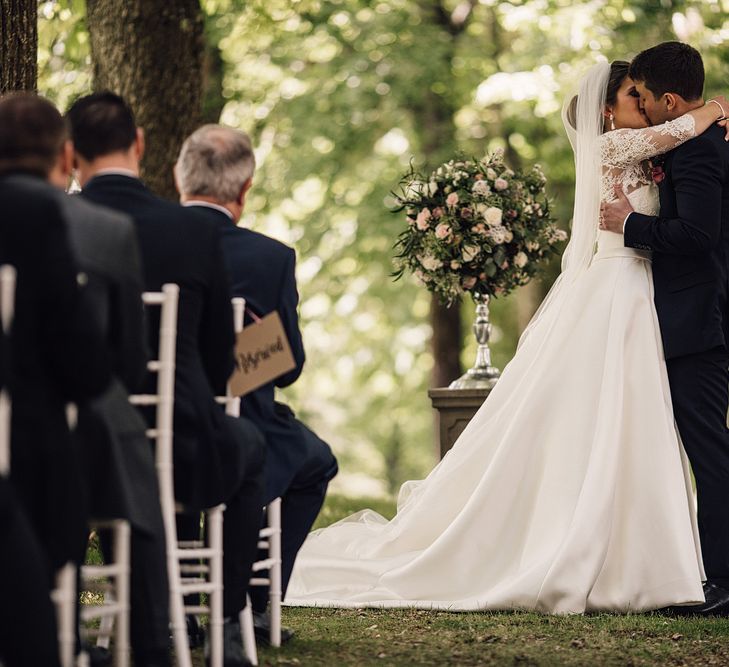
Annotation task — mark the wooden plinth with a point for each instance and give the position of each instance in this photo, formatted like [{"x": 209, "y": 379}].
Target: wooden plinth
[{"x": 455, "y": 408}]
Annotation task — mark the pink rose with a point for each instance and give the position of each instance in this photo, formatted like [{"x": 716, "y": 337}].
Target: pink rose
[
  {"x": 505, "y": 264},
  {"x": 452, "y": 199},
  {"x": 422, "y": 220},
  {"x": 437, "y": 212},
  {"x": 468, "y": 282},
  {"x": 501, "y": 184},
  {"x": 442, "y": 231},
  {"x": 466, "y": 213},
  {"x": 479, "y": 177}
]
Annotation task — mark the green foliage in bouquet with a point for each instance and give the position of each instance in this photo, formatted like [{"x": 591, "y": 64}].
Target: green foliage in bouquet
[{"x": 475, "y": 226}]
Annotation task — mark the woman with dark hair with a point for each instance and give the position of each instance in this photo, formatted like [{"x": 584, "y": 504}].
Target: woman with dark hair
[{"x": 568, "y": 491}]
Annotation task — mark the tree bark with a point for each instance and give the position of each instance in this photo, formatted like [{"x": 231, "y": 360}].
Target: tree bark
[
  {"x": 18, "y": 45},
  {"x": 151, "y": 53},
  {"x": 435, "y": 117}
]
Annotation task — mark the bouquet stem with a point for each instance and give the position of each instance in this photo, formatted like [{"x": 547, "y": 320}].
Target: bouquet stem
[{"x": 482, "y": 375}]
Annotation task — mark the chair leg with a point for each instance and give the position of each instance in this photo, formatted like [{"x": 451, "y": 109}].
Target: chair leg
[
  {"x": 65, "y": 598},
  {"x": 248, "y": 635},
  {"x": 177, "y": 604},
  {"x": 122, "y": 548},
  {"x": 215, "y": 623},
  {"x": 274, "y": 589}
]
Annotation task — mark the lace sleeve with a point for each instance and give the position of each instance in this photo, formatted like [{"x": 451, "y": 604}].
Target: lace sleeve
[{"x": 622, "y": 148}]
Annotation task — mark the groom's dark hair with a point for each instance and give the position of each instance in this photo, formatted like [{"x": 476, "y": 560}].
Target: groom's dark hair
[
  {"x": 670, "y": 67},
  {"x": 101, "y": 123}
]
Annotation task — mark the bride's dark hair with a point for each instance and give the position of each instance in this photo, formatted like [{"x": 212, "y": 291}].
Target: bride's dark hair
[{"x": 618, "y": 71}]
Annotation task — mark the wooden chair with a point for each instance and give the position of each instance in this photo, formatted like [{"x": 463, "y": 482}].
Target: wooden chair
[
  {"x": 112, "y": 581},
  {"x": 269, "y": 538},
  {"x": 205, "y": 574}
]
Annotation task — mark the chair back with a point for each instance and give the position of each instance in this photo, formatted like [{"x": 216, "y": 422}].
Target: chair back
[
  {"x": 7, "y": 309},
  {"x": 164, "y": 398}
]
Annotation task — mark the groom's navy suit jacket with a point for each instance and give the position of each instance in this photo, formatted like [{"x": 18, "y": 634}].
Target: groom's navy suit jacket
[{"x": 690, "y": 244}]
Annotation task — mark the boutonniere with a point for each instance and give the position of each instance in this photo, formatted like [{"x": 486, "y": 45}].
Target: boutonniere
[{"x": 657, "y": 173}]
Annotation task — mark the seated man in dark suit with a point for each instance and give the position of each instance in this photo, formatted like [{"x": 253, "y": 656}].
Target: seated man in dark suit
[
  {"x": 217, "y": 459},
  {"x": 59, "y": 355},
  {"x": 24, "y": 580},
  {"x": 117, "y": 457},
  {"x": 213, "y": 173}
]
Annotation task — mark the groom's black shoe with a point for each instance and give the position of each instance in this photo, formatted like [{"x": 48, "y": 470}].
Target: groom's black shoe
[
  {"x": 262, "y": 628},
  {"x": 717, "y": 603}
]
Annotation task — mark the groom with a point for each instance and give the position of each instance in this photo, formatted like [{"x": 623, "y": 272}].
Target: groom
[{"x": 690, "y": 243}]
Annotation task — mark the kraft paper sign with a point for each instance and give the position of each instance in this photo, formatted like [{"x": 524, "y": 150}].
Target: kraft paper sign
[{"x": 262, "y": 353}]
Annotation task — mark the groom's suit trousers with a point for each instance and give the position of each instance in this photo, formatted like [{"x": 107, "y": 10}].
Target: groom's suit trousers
[{"x": 700, "y": 393}]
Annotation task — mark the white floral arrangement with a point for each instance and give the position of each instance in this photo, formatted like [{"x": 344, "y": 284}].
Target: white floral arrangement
[{"x": 475, "y": 226}]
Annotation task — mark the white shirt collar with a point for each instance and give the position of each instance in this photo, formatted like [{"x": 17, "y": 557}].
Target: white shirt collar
[
  {"x": 207, "y": 204},
  {"x": 116, "y": 171}
]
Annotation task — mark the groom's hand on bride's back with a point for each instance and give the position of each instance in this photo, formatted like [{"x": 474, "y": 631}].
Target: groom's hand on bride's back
[{"x": 614, "y": 214}]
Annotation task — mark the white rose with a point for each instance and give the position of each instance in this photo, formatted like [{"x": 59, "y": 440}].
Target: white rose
[
  {"x": 532, "y": 246},
  {"x": 413, "y": 189},
  {"x": 501, "y": 184},
  {"x": 521, "y": 260},
  {"x": 490, "y": 173},
  {"x": 470, "y": 252},
  {"x": 497, "y": 235},
  {"x": 432, "y": 188},
  {"x": 492, "y": 215},
  {"x": 430, "y": 263},
  {"x": 481, "y": 188},
  {"x": 508, "y": 235}
]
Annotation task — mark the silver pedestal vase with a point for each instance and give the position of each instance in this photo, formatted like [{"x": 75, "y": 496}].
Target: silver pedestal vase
[{"x": 482, "y": 375}]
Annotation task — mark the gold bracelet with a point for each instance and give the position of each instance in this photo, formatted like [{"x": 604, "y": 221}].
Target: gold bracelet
[{"x": 721, "y": 108}]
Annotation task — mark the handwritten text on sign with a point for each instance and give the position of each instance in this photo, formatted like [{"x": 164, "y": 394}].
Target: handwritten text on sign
[{"x": 262, "y": 353}]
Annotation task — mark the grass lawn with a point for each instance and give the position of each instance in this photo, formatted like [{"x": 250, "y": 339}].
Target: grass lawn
[{"x": 336, "y": 637}]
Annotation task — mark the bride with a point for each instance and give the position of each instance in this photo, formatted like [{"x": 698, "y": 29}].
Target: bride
[{"x": 569, "y": 490}]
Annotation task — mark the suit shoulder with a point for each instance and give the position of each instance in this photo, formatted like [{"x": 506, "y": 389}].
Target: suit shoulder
[
  {"x": 703, "y": 144},
  {"x": 267, "y": 245},
  {"x": 702, "y": 153},
  {"x": 116, "y": 222}
]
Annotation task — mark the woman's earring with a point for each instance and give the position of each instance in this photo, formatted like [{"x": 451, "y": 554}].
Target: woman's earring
[{"x": 612, "y": 122}]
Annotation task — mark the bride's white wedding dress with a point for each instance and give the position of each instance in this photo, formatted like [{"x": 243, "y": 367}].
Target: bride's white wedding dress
[{"x": 569, "y": 490}]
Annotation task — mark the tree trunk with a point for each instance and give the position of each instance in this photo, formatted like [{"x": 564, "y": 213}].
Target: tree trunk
[
  {"x": 151, "y": 53},
  {"x": 18, "y": 45},
  {"x": 437, "y": 134}
]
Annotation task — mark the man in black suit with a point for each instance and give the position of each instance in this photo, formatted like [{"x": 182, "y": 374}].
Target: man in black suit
[
  {"x": 116, "y": 455},
  {"x": 217, "y": 459},
  {"x": 690, "y": 243},
  {"x": 25, "y": 576},
  {"x": 59, "y": 355},
  {"x": 214, "y": 172}
]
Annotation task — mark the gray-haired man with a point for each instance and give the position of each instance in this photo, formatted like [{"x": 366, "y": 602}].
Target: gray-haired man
[{"x": 214, "y": 173}]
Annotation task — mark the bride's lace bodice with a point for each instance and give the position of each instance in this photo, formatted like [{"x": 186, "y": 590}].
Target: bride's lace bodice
[
  {"x": 624, "y": 157},
  {"x": 624, "y": 153}
]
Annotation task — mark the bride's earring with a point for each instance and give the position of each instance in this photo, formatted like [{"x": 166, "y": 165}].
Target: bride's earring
[{"x": 612, "y": 122}]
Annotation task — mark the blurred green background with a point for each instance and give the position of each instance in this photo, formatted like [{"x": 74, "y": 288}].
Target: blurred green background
[{"x": 339, "y": 96}]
